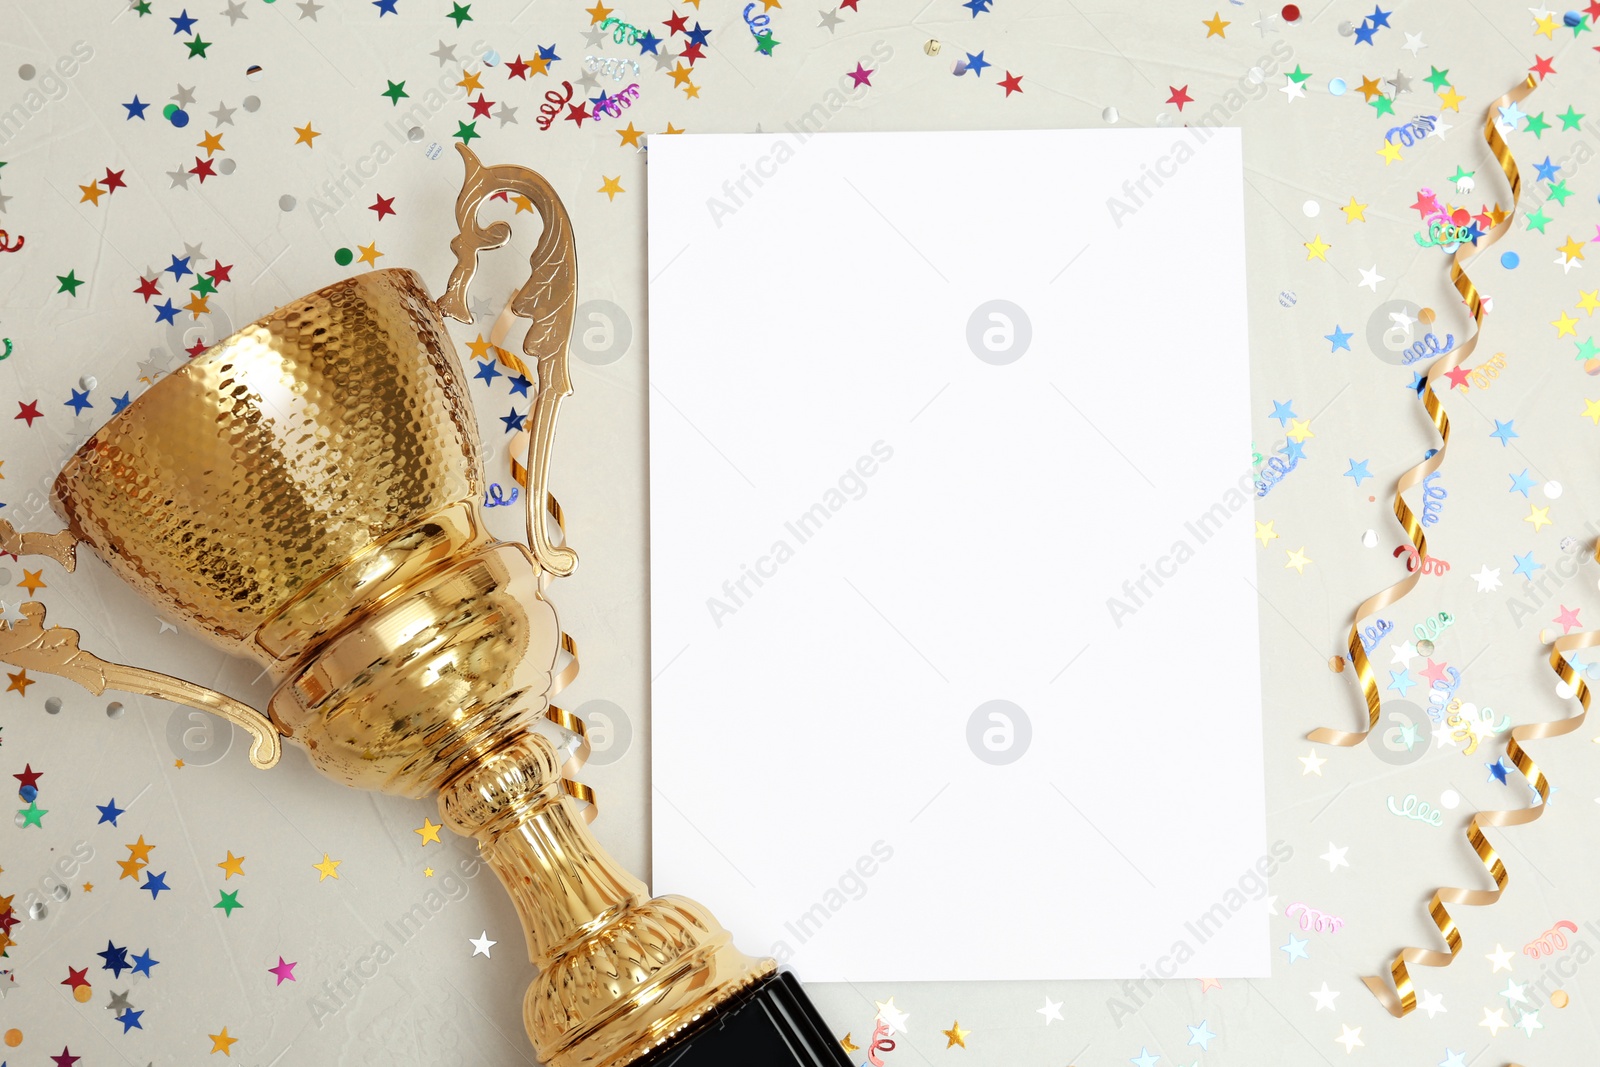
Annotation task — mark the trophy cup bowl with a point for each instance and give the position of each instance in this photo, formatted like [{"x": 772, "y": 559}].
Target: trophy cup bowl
[{"x": 306, "y": 493}]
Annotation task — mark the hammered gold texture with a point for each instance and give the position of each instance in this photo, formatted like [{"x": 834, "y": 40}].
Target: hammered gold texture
[{"x": 271, "y": 459}]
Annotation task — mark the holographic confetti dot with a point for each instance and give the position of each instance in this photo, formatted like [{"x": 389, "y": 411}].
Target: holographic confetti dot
[
  {"x": 932, "y": 48},
  {"x": 1571, "y": 19},
  {"x": 1110, "y": 115},
  {"x": 491, "y": 58},
  {"x": 343, "y": 257},
  {"x": 87, "y": 382},
  {"x": 1336, "y": 664},
  {"x": 227, "y": 166},
  {"x": 53, "y": 706},
  {"x": 26, "y": 72},
  {"x": 1560, "y": 999},
  {"x": 1424, "y": 648},
  {"x": 1509, "y": 260},
  {"x": 1345, "y": 29},
  {"x": 252, "y": 103},
  {"x": 414, "y": 133},
  {"x": 286, "y": 202},
  {"x": 114, "y": 710},
  {"x": 1337, "y": 86},
  {"x": 253, "y": 72}
]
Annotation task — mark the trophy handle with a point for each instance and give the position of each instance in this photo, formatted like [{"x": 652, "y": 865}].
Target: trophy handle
[
  {"x": 547, "y": 299},
  {"x": 26, "y": 643}
]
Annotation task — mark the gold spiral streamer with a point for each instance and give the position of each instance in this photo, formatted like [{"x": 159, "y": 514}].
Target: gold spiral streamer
[
  {"x": 1441, "y": 423},
  {"x": 1401, "y": 998}
]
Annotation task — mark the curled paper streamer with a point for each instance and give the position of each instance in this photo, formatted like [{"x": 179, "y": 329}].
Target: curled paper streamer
[
  {"x": 1441, "y": 422},
  {"x": 1402, "y": 998}
]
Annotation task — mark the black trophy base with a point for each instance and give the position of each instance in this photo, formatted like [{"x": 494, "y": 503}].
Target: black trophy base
[{"x": 773, "y": 1024}]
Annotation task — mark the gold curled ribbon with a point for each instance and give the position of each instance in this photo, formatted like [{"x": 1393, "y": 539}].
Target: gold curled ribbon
[
  {"x": 1441, "y": 422},
  {"x": 1401, "y": 1000}
]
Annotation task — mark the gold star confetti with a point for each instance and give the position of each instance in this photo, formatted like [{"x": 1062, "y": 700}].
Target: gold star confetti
[
  {"x": 370, "y": 253},
  {"x": 1214, "y": 27},
  {"x": 1297, "y": 559},
  {"x": 232, "y": 865},
  {"x": 611, "y": 186},
  {"x": 222, "y": 1042},
  {"x": 305, "y": 135},
  {"x": 1317, "y": 249},
  {"x": 1573, "y": 249},
  {"x": 429, "y": 830},
  {"x": 1265, "y": 532},
  {"x": 1354, "y": 212},
  {"x": 955, "y": 1035},
  {"x": 328, "y": 868},
  {"x": 848, "y": 1045}
]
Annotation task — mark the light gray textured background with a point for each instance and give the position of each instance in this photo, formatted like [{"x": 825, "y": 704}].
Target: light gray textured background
[{"x": 433, "y": 1002}]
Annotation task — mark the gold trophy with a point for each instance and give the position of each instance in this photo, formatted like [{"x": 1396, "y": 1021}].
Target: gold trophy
[{"x": 306, "y": 492}]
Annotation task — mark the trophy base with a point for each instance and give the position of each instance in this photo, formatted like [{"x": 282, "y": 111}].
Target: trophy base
[{"x": 773, "y": 1024}]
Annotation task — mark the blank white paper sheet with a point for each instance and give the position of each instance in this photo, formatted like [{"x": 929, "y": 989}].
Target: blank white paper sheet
[{"x": 953, "y": 610}]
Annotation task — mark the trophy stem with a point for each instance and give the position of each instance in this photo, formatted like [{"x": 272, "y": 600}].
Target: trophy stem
[{"x": 620, "y": 973}]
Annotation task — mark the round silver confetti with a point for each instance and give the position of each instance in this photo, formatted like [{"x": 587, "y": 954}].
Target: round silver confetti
[
  {"x": 20, "y": 819},
  {"x": 61, "y": 892},
  {"x": 491, "y": 58},
  {"x": 5, "y": 576},
  {"x": 252, "y": 103},
  {"x": 1424, "y": 648},
  {"x": 38, "y": 910},
  {"x": 286, "y": 202},
  {"x": 227, "y": 166},
  {"x": 1110, "y": 115},
  {"x": 114, "y": 710},
  {"x": 414, "y": 133},
  {"x": 1345, "y": 29},
  {"x": 26, "y": 72},
  {"x": 53, "y": 705},
  {"x": 87, "y": 382},
  {"x": 1163, "y": 120},
  {"x": 1257, "y": 75}
]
